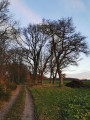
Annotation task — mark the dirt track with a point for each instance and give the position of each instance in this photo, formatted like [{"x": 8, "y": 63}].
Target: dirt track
[
  {"x": 29, "y": 107},
  {"x": 28, "y": 113}
]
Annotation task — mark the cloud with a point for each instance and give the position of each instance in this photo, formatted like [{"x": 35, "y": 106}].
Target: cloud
[
  {"x": 24, "y": 12},
  {"x": 81, "y": 75},
  {"x": 77, "y": 4},
  {"x": 73, "y": 6}
]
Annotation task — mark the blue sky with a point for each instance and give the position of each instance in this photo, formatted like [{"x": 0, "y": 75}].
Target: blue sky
[{"x": 32, "y": 11}]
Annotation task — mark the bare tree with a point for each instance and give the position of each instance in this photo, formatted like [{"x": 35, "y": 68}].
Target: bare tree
[
  {"x": 33, "y": 44},
  {"x": 3, "y": 33},
  {"x": 43, "y": 65},
  {"x": 66, "y": 43},
  {"x": 8, "y": 34}
]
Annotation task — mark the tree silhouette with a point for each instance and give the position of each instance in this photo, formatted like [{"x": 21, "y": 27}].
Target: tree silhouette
[{"x": 66, "y": 44}]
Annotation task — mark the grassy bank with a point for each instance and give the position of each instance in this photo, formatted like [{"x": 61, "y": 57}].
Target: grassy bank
[
  {"x": 54, "y": 103},
  {"x": 17, "y": 109}
]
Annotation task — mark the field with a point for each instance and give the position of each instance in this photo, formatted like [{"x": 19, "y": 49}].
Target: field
[{"x": 55, "y": 103}]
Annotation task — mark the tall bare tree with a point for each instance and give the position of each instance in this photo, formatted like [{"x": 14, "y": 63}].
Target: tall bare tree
[
  {"x": 8, "y": 34},
  {"x": 67, "y": 44},
  {"x": 34, "y": 42},
  {"x": 4, "y": 17}
]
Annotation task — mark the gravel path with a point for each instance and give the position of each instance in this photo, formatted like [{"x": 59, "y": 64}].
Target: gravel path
[
  {"x": 5, "y": 110},
  {"x": 29, "y": 107}
]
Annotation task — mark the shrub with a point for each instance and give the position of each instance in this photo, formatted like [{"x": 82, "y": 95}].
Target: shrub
[
  {"x": 11, "y": 85},
  {"x": 75, "y": 83},
  {"x": 4, "y": 93},
  {"x": 5, "y": 90}
]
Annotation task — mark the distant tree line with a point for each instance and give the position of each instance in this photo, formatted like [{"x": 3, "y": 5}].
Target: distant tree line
[{"x": 48, "y": 47}]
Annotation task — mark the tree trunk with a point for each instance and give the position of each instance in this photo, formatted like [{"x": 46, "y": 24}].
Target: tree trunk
[
  {"x": 60, "y": 77},
  {"x": 50, "y": 78},
  {"x": 54, "y": 78},
  {"x": 35, "y": 75},
  {"x": 41, "y": 77},
  {"x": 35, "y": 80},
  {"x": 39, "y": 80}
]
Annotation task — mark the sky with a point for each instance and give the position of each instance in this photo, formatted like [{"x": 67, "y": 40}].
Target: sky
[{"x": 33, "y": 11}]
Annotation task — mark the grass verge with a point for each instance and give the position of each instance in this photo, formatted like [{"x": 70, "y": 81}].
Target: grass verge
[{"x": 17, "y": 109}]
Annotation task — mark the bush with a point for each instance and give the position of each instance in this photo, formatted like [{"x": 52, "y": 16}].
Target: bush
[
  {"x": 4, "y": 93},
  {"x": 11, "y": 85},
  {"x": 5, "y": 90},
  {"x": 75, "y": 83},
  {"x": 1, "y": 90}
]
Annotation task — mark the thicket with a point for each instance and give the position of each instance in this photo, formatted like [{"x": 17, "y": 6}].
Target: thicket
[{"x": 6, "y": 89}]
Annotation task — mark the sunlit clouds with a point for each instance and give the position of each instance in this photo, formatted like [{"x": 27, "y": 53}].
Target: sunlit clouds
[{"x": 80, "y": 75}]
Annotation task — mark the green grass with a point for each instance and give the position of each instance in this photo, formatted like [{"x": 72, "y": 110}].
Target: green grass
[
  {"x": 54, "y": 103},
  {"x": 56, "y": 82},
  {"x": 86, "y": 82},
  {"x": 17, "y": 109}
]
